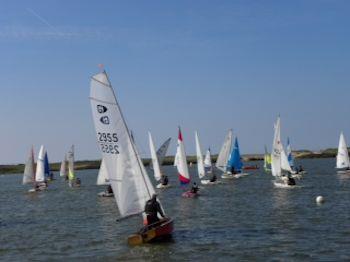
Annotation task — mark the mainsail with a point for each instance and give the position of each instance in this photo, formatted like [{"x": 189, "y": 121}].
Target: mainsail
[
  {"x": 70, "y": 158},
  {"x": 207, "y": 159},
  {"x": 343, "y": 154},
  {"x": 221, "y": 162},
  {"x": 154, "y": 157},
  {"x": 182, "y": 167},
  {"x": 40, "y": 166},
  {"x": 277, "y": 148},
  {"x": 47, "y": 166},
  {"x": 290, "y": 154},
  {"x": 29, "y": 173},
  {"x": 267, "y": 160},
  {"x": 235, "y": 159},
  {"x": 63, "y": 169},
  {"x": 200, "y": 161},
  {"x": 127, "y": 175},
  {"x": 161, "y": 152}
]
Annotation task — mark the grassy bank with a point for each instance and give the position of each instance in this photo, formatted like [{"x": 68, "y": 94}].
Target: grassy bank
[{"x": 169, "y": 160}]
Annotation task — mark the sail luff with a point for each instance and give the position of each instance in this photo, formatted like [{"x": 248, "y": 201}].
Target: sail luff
[
  {"x": 63, "y": 168},
  {"x": 70, "y": 158}
]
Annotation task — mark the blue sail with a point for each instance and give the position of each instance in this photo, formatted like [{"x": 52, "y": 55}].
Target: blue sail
[
  {"x": 47, "y": 166},
  {"x": 235, "y": 158},
  {"x": 289, "y": 154}
]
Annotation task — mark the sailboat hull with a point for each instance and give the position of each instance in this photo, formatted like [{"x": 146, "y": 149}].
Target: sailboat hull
[
  {"x": 154, "y": 232},
  {"x": 161, "y": 186}
]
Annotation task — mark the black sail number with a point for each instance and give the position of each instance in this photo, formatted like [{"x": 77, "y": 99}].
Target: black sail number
[{"x": 108, "y": 142}]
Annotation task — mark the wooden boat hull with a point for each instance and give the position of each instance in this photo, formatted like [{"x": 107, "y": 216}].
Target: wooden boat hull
[{"x": 157, "y": 231}]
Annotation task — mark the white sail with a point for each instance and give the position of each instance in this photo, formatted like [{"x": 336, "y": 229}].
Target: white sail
[
  {"x": 176, "y": 157},
  {"x": 276, "y": 169},
  {"x": 102, "y": 178},
  {"x": 154, "y": 157},
  {"x": 127, "y": 175},
  {"x": 221, "y": 162},
  {"x": 284, "y": 161},
  {"x": 182, "y": 168},
  {"x": 29, "y": 174},
  {"x": 343, "y": 154},
  {"x": 40, "y": 166},
  {"x": 200, "y": 161},
  {"x": 161, "y": 152},
  {"x": 70, "y": 158},
  {"x": 63, "y": 169},
  {"x": 207, "y": 159}
]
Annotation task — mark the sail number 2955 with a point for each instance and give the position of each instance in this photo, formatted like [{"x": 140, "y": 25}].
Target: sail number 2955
[{"x": 108, "y": 142}]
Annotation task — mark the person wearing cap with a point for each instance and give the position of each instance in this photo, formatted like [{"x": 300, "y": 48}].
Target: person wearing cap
[{"x": 152, "y": 208}]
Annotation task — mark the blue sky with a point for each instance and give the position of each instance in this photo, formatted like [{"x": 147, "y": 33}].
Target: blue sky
[{"x": 204, "y": 65}]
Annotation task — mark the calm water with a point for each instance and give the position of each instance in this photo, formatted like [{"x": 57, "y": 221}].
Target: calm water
[{"x": 244, "y": 219}]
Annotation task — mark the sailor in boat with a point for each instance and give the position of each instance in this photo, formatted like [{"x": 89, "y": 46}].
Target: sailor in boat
[
  {"x": 290, "y": 181},
  {"x": 152, "y": 208},
  {"x": 194, "y": 188},
  {"x": 165, "y": 180},
  {"x": 51, "y": 176},
  {"x": 213, "y": 178},
  {"x": 109, "y": 190},
  {"x": 233, "y": 171},
  {"x": 77, "y": 181}
]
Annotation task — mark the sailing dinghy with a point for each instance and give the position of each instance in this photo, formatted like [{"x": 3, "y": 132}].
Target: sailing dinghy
[
  {"x": 40, "y": 181},
  {"x": 343, "y": 163},
  {"x": 158, "y": 174},
  {"x": 182, "y": 168},
  {"x": 128, "y": 177},
  {"x": 235, "y": 165},
  {"x": 224, "y": 155},
  {"x": 279, "y": 161},
  {"x": 201, "y": 166}
]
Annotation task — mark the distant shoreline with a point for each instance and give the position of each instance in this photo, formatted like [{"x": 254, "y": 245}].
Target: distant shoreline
[{"x": 169, "y": 160}]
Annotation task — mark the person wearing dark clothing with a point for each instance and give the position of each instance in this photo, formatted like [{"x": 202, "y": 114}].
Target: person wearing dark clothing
[
  {"x": 300, "y": 169},
  {"x": 109, "y": 189},
  {"x": 165, "y": 180},
  {"x": 290, "y": 181},
  {"x": 194, "y": 188},
  {"x": 233, "y": 171},
  {"x": 152, "y": 208},
  {"x": 213, "y": 178}
]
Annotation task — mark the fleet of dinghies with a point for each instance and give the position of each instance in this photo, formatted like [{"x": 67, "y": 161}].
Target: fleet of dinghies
[{"x": 126, "y": 178}]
